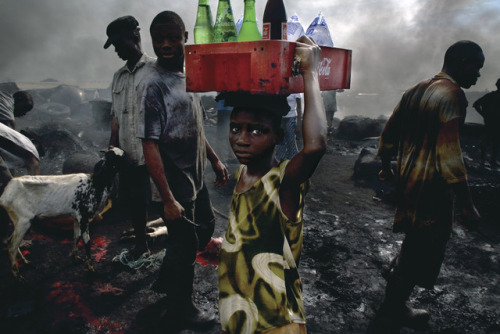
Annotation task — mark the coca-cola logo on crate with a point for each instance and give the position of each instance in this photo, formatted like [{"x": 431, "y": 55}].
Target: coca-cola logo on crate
[{"x": 324, "y": 67}]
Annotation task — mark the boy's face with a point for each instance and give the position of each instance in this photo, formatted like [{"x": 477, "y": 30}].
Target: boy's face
[
  {"x": 168, "y": 44},
  {"x": 252, "y": 136}
]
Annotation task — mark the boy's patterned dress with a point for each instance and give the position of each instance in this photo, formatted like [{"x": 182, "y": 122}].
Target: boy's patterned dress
[{"x": 259, "y": 285}]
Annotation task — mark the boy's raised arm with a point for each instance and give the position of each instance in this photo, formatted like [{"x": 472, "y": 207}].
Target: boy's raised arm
[{"x": 314, "y": 128}]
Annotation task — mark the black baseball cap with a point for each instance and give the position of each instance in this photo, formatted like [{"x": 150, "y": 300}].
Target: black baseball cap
[{"x": 119, "y": 27}]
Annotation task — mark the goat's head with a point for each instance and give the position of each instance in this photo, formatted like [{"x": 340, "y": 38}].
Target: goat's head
[
  {"x": 115, "y": 156},
  {"x": 114, "y": 160}
]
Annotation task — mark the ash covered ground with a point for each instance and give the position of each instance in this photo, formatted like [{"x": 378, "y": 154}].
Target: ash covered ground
[{"x": 347, "y": 242}]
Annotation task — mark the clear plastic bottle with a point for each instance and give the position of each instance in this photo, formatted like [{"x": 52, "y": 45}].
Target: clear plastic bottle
[
  {"x": 294, "y": 28},
  {"x": 274, "y": 20},
  {"x": 249, "y": 30},
  {"x": 318, "y": 29},
  {"x": 224, "y": 28},
  {"x": 203, "y": 28}
]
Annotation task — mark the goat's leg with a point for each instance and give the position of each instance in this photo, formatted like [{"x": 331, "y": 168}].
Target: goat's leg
[
  {"x": 21, "y": 226},
  {"x": 22, "y": 256},
  {"x": 77, "y": 236},
  {"x": 74, "y": 251},
  {"x": 86, "y": 242}
]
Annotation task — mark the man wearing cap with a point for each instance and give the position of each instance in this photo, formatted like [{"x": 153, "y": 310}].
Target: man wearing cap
[{"x": 134, "y": 191}]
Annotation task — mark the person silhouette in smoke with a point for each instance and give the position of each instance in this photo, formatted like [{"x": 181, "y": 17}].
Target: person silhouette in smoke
[
  {"x": 134, "y": 185},
  {"x": 488, "y": 106},
  {"x": 423, "y": 132}
]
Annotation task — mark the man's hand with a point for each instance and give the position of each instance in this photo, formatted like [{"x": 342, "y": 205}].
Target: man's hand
[
  {"x": 221, "y": 173},
  {"x": 173, "y": 210},
  {"x": 308, "y": 55}
]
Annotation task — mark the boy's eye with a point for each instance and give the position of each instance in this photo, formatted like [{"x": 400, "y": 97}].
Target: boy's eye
[
  {"x": 235, "y": 129},
  {"x": 257, "y": 130},
  {"x": 175, "y": 38}
]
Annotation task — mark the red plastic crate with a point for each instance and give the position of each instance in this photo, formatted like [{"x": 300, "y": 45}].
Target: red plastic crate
[{"x": 260, "y": 67}]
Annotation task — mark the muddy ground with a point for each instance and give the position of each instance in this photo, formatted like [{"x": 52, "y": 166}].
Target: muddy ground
[{"x": 347, "y": 241}]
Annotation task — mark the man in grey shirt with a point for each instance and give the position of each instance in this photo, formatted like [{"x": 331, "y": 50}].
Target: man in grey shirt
[
  {"x": 176, "y": 150},
  {"x": 134, "y": 184}
]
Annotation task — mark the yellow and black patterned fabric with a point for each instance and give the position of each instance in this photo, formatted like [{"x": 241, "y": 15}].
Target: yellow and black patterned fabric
[{"x": 259, "y": 285}]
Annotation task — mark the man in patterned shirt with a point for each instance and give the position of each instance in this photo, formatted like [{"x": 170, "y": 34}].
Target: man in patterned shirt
[{"x": 424, "y": 133}]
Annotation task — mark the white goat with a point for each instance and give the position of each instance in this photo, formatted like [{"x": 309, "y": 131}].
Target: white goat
[{"x": 78, "y": 196}]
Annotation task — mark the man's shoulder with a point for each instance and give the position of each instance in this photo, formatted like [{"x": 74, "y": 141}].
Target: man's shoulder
[
  {"x": 494, "y": 94},
  {"x": 150, "y": 73},
  {"x": 145, "y": 63},
  {"x": 445, "y": 88},
  {"x": 148, "y": 59},
  {"x": 120, "y": 70}
]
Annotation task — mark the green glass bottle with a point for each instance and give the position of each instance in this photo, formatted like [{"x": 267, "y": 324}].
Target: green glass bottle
[
  {"x": 249, "y": 30},
  {"x": 203, "y": 29},
  {"x": 224, "y": 28}
]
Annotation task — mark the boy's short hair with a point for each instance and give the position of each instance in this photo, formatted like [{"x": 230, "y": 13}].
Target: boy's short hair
[
  {"x": 275, "y": 104},
  {"x": 272, "y": 106},
  {"x": 168, "y": 17}
]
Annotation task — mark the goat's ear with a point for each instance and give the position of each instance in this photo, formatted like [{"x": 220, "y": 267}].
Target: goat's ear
[
  {"x": 99, "y": 167},
  {"x": 113, "y": 152}
]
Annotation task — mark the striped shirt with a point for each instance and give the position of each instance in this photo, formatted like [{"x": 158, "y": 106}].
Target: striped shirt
[{"x": 429, "y": 159}]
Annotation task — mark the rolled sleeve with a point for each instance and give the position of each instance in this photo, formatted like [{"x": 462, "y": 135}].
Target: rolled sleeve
[{"x": 150, "y": 113}]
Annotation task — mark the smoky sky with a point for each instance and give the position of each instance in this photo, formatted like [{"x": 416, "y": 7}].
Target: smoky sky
[{"x": 394, "y": 43}]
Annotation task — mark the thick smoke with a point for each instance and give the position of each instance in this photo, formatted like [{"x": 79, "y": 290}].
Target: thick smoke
[{"x": 394, "y": 43}]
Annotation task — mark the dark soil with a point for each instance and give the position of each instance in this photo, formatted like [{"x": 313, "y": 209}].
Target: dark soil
[{"x": 347, "y": 242}]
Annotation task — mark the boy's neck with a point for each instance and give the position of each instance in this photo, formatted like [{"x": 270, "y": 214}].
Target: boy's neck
[
  {"x": 172, "y": 67},
  {"x": 260, "y": 168},
  {"x": 253, "y": 173}
]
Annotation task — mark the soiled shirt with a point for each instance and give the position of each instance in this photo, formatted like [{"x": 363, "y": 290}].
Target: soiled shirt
[
  {"x": 174, "y": 118},
  {"x": 259, "y": 285},
  {"x": 125, "y": 107},
  {"x": 428, "y": 160}
]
